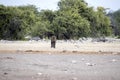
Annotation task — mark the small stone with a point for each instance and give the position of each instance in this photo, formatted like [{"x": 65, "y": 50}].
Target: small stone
[
  {"x": 32, "y": 77},
  {"x": 5, "y": 73},
  {"x": 114, "y": 60},
  {"x": 83, "y": 59},
  {"x": 9, "y": 58},
  {"x": 100, "y": 51},
  {"x": 39, "y": 73},
  {"x": 90, "y": 64},
  {"x": 74, "y": 61},
  {"x": 66, "y": 71},
  {"x": 74, "y": 78}
]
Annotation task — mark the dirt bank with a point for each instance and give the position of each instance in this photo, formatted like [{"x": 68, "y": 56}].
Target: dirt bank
[{"x": 61, "y": 47}]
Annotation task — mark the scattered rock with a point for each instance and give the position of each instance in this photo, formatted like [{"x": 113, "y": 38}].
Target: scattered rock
[
  {"x": 65, "y": 70},
  {"x": 29, "y": 51},
  {"x": 64, "y": 51},
  {"x": 32, "y": 77},
  {"x": 114, "y": 53},
  {"x": 83, "y": 59},
  {"x": 114, "y": 60},
  {"x": 90, "y": 64},
  {"x": 74, "y": 51},
  {"x": 77, "y": 46},
  {"x": 5, "y": 73},
  {"x": 100, "y": 51},
  {"x": 39, "y": 73},
  {"x": 9, "y": 58},
  {"x": 74, "y": 61},
  {"x": 74, "y": 78}
]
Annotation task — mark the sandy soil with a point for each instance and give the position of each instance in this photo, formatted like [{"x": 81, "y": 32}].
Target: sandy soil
[
  {"x": 59, "y": 66},
  {"x": 35, "y": 60},
  {"x": 61, "y": 47}
]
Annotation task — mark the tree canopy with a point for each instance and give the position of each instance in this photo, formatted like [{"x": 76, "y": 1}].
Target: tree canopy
[
  {"x": 72, "y": 20},
  {"x": 115, "y": 22}
]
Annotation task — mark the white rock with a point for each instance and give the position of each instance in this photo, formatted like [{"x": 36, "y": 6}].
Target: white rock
[
  {"x": 74, "y": 78},
  {"x": 114, "y": 60},
  {"x": 32, "y": 77},
  {"x": 74, "y": 61},
  {"x": 39, "y": 73},
  {"x": 90, "y": 64},
  {"x": 83, "y": 59}
]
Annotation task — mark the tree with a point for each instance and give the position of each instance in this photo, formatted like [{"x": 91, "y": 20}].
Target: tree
[
  {"x": 103, "y": 22},
  {"x": 29, "y": 17},
  {"x": 40, "y": 29},
  {"x": 10, "y": 23},
  {"x": 47, "y": 15},
  {"x": 16, "y": 22},
  {"x": 91, "y": 23},
  {"x": 69, "y": 21},
  {"x": 72, "y": 20},
  {"x": 115, "y": 19}
]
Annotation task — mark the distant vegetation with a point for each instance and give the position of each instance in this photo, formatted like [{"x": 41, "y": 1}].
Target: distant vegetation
[
  {"x": 115, "y": 22},
  {"x": 72, "y": 20}
]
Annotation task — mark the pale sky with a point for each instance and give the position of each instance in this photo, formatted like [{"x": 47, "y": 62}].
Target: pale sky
[{"x": 52, "y": 4}]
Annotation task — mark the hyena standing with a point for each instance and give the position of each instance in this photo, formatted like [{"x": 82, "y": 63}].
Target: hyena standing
[{"x": 53, "y": 41}]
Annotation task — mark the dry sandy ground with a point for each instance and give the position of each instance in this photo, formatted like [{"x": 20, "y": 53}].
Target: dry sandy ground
[
  {"x": 35, "y": 60},
  {"x": 20, "y": 66},
  {"x": 61, "y": 47}
]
